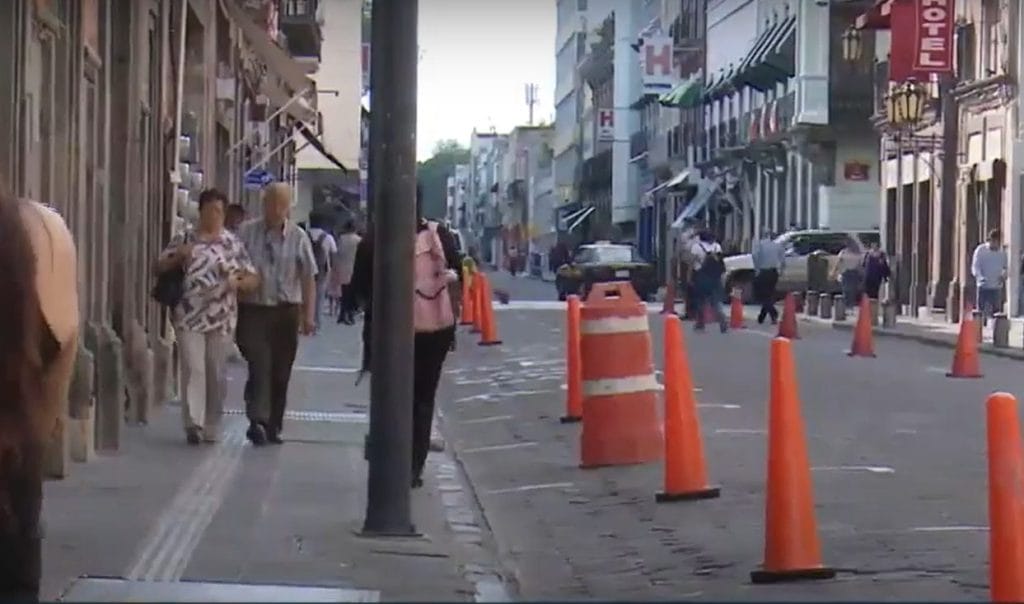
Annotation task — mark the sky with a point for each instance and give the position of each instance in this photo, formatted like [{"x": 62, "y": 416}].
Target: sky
[{"x": 476, "y": 56}]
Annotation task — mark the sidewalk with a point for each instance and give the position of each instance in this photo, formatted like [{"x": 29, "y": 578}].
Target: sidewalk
[
  {"x": 159, "y": 516},
  {"x": 926, "y": 331}
]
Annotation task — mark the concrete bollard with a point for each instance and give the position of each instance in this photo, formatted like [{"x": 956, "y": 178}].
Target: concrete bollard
[
  {"x": 812, "y": 303},
  {"x": 139, "y": 366},
  {"x": 798, "y": 301},
  {"x": 873, "y": 308},
  {"x": 110, "y": 390},
  {"x": 839, "y": 307},
  {"x": 979, "y": 328},
  {"x": 1001, "y": 330},
  {"x": 82, "y": 441},
  {"x": 163, "y": 370},
  {"x": 888, "y": 315},
  {"x": 825, "y": 307}
]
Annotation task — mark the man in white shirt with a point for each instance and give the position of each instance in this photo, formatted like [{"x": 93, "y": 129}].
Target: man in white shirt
[
  {"x": 708, "y": 266},
  {"x": 989, "y": 265},
  {"x": 324, "y": 248}
]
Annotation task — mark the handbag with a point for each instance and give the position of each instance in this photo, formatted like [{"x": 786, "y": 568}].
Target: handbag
[{"x": 170, "y": 286}]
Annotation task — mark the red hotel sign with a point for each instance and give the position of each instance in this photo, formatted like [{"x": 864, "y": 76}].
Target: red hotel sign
[{"x": 922, "y": 38}]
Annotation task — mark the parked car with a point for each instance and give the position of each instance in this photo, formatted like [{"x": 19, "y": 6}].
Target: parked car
[
  {"x": 604, "y": 261},
  {"x": 739, "y": 269}
]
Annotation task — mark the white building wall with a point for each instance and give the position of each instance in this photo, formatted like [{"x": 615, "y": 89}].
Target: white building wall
[
  {"x": 627, "y": 87},
  {"x": 731, "y": 29}
]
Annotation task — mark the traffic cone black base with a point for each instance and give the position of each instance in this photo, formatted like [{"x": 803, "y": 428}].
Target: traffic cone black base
[
  {"x": 708, "y": 493},
  {"x": 950, "y": 374},
  {"x": 764, "y": 577},
  {"x": 495, "y": 343},
  {"x": 568, "y": 419},
  {"x": 851, "y": 353}
]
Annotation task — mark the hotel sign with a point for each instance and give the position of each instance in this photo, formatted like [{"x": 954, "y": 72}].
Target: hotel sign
[{"x": 933, "y": 48}]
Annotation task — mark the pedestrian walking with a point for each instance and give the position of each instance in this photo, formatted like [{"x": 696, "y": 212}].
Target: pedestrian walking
[
  {"x": 708, "y": 266},
  {"x": 40, "y": 325},
  {"x": 437, "y": 296},
  {"x": 215, "y": 267},
  {"x": 876, "y": 270},
  {"x": 849, "y": 270},
  {"x": 989, "y": 265},
  {"x": 341, "y": 269},
  {"x": 324, "y": 249},
  {"x": 271, "y": 317},
  {"x": 769, "y": 259}
]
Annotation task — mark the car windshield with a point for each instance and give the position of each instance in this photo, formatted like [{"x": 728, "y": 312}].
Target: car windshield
[{"x": 606, "y": 254}]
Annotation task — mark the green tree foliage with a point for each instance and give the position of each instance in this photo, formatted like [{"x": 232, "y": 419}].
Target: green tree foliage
[{"x": 434, "y": 172}]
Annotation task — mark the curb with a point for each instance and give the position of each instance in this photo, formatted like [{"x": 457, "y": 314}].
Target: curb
[{"x": 928, "y": 340}]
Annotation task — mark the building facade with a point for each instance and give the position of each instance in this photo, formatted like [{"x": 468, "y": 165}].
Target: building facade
[
  {"x": 118, "y": 115},
  {"x": 954, "y": 174}
]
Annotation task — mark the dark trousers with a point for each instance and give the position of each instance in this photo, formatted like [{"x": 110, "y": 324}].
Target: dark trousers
[
  {"x": 430, "y": 350},
  {"x": 21, "y": 502},
  {"x": 268, "y": 338},
  {"x": 765, "y": 282}
]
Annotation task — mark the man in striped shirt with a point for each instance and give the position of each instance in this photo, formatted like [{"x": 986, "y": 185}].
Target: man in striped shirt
[{"x": 271, "y": 318}]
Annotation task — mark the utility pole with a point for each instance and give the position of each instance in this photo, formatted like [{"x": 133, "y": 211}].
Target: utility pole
[
  {"x": 531, "y": 99},
  {"x": 393, "y": 133}
]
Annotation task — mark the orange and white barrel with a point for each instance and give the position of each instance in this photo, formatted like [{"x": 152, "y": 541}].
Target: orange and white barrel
[{"x": 620, "y": 391}]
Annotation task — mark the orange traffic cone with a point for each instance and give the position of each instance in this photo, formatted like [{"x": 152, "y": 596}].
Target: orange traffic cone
[
  {"x": 686, "y": 475},
  {"x": 787, "y": 326},
  {"x": 792, "y": 551},
  {"x": 966, "y": 363},
  {"x": 1005, "y": 499},
  {"x": 669, "y": 305},
  {"x": 488, "y": 329},
  {"x": 736, "y": 313},
  {"x": 468, "y": 299},
  {"x": 478, "y": 302},
  {"x": 573, "y": 373},
  {"x": 863, "y": 337}
]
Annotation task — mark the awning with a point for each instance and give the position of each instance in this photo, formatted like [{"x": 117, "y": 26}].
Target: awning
[
  {"x": 723, "y": 84},
  {"x": 689, "y": 93},
  {"x": 583, "y": 215},
  {"x": 876, "y": 17},
  {"x": 319, "y": 146},
  {"x": 771, "y": 60},
  {"x": 279, "y": 63},
  {"x": 705, "y": 190},
  {"x": 675, "y": 181}
]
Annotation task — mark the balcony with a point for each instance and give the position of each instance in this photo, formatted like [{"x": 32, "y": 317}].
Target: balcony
[{"x": 300, "y": 22}]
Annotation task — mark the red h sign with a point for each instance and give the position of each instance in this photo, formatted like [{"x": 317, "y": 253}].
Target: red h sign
[
  {"x": 658, "y": 62},
  {"x": 605, "y": 125},
  {"x": 658, "y": 59}
]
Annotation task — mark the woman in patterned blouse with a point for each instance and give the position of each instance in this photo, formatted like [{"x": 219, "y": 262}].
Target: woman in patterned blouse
[{"x": 217, "y": 267}]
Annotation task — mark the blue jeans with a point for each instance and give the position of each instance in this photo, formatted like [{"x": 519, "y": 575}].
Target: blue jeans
[
  {"x": 710, "y": 293},
  {"x": 988, "y": 302}
]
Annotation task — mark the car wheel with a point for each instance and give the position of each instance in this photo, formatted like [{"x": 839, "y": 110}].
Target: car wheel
[{"x": 562, "y": 296}]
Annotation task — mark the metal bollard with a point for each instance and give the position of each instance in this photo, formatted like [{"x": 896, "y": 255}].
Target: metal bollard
[
  {"x": 798, "y": 299},
  {"x": 873, "y": 307},
  {"x": 1001, "y": 330},
  {"x": 825, "y": 307},
  {"x": 812, "y": 303},
  {"x": 979, "y": 328},
  {"x": 888, "y": 315},
  {"x": 839, "y": 307}
]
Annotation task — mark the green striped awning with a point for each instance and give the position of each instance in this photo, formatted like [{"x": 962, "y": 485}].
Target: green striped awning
[{"x": 689, "y": 93}]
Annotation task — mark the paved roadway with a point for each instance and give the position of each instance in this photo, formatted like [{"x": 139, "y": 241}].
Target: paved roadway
[{"x": 898, "y": 452}]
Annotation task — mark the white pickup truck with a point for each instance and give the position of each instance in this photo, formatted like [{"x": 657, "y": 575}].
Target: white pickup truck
[{"x": 739, "y": 269}]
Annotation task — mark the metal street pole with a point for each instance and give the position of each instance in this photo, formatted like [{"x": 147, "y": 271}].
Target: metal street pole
[{"x": 393, "y": 94}]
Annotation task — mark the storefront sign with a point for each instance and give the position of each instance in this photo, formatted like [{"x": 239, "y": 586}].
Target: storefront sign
[
  {"x": 922, "y": 39},
  {"x": 657, "y": 64},
  {"x": 605, "y": 125},
  {"x": 856, "y": 171},
  {"x": 933, "y": 49}
]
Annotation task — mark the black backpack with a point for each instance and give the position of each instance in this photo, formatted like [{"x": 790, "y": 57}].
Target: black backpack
[
  {"x": 319, "y": 253},
  {"x": 713, "y": 264}
]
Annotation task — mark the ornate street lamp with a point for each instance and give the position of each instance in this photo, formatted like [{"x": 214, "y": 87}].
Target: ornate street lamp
[
  {"x": 905, "y": 104},
  {"x": 853, "y": 46}
]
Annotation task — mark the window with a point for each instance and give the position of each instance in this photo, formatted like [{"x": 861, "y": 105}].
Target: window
[
  {"x": 581, "y": 5},
  {"x": 991, "y": 51},
  {"x": 606, "y": 254}
]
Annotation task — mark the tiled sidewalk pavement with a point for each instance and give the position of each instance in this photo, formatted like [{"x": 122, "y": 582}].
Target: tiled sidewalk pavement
[{"x": 162, "y": 511}]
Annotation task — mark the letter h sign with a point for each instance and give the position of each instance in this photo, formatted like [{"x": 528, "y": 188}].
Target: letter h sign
[{"x": 658, "y": 64}]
